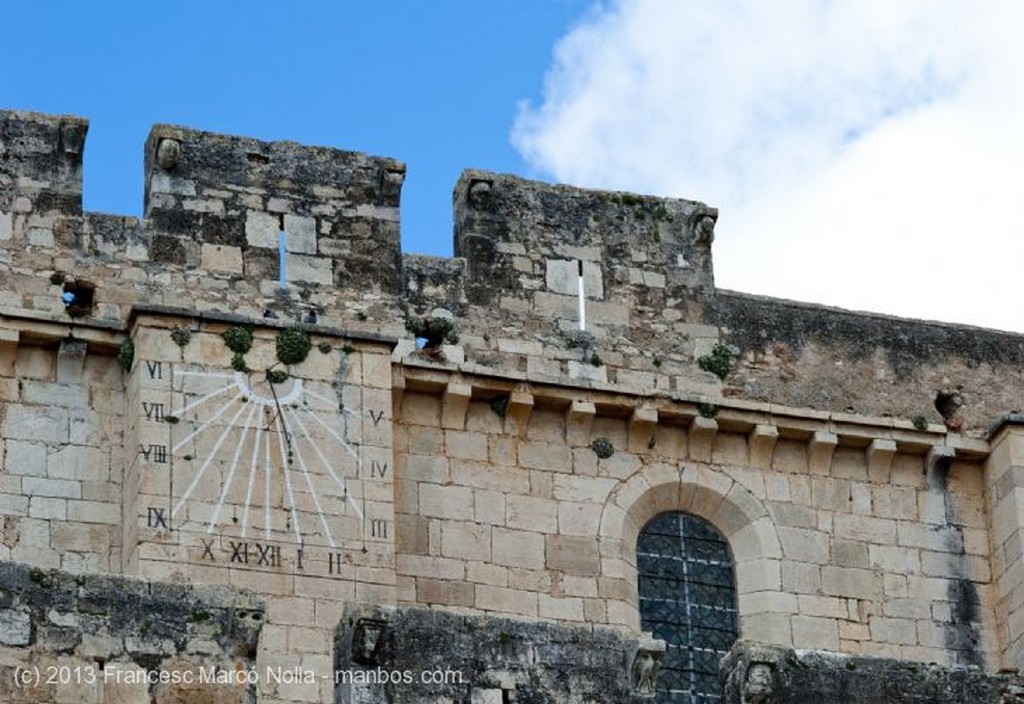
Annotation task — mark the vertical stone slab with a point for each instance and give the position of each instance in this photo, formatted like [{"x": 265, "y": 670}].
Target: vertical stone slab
[
  {"x": 256, "y": 472},
  {"x": 147, "y": 528},
  {"x": 266, "y": 471},
  {"x": 1004, "y": 478}
]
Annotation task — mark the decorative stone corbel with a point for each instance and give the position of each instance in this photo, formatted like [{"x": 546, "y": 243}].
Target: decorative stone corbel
[
  {"x": 702, "y": 224},
  {"x": 937, "y": 453},
  {"x": 642, "y": 425},
  {"x": 70, "y": 360},
  {"x": 820, "y": 450},
  {"x": 517, "y": 413},
  {"x": 72, "y": 137},
  {"x": 479, "y": 192},
  {"x": 366, "y": 640},
  {"x": 760, "y": 683},
  {"x": 454, "y": 406},
  {"x": 578, "y": 421},
  {"x": 391, "y": 181},
  {"x": 879, "y": 456},
  {"x": 749, "y": 673},
  {"x": 702, "y": 438},
  {"x": 761, "y": 443},
  {"x": 646, "y": 663},
  {"x": 167, "y": 153}
]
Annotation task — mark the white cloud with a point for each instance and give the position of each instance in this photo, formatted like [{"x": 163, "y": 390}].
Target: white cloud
[{"x": 866, "y": 154}]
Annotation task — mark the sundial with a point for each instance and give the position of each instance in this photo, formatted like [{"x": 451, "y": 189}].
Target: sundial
[
  {"x": 264, "y": 438},
  {"x": 255, "y": 462}
]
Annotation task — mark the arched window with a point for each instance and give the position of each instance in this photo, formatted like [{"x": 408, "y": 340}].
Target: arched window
[{"x": 687, "y": 598}]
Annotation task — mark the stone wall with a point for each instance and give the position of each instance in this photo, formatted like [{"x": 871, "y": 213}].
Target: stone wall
[
  {"x": 766, "y": 674},
  {"x": 66, "y": 638},
  {"x": 804, "y": 355},
  {"x": 410, "y": 655},
  {"x": 846, "y": 457},
  {"x": 841, "y": 542}
]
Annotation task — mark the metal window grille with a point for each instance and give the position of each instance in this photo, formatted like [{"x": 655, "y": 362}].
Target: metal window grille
[{"x": 687, "y": 593}]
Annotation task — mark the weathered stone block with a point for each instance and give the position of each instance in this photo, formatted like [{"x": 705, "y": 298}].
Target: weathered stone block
[
  {"x": 262, "y": 229},
  {"x": 562, "y": 276},
  {"x": 573, "y": 554},
  {"x": 37, "y": 423},
  {"x": 15, "y": 627},
  {"x": 221, "y": 258},
  {"x": 300, "y": 234}
]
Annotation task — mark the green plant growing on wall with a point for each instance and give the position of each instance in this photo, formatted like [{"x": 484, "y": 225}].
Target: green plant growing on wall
[
  {"x": 238, "y": 363},
  {"x": 499, "y": 404},
  {"x": 661, "y": 213},
  {"x": 198, "y": 616},
  {"x": 436, "y": 331},
  {"x": 39, "y": 577},
  {"x": 719, "y": 362},
  {"x": 126, "y": 354},
  {"x": 277, "y": 376},
  {"x": 920, "y": 422},
  {"x": 293, "y": 345},
  {"x": 181, "y": 335},
  {"x": 238, "y": 338},
  {"x": 603, "y": 448},
  {"x": 707, "y": 410}
]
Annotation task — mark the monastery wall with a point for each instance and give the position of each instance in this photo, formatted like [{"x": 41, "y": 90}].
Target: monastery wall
[{"x": 234, "y": 397}]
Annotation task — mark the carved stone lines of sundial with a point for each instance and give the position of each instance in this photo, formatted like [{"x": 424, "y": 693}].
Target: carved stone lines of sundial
[{"x": 266, "y": 450}]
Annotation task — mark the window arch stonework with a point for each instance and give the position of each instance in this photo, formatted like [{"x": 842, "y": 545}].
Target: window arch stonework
[{"x": 736, "y": 512}]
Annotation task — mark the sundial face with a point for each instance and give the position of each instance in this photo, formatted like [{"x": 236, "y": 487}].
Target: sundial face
[
  {"x": 264, "y": 465},
  {"x": 280, "y": 457}
]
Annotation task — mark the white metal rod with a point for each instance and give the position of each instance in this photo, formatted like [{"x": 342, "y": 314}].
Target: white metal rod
[{"x": 583, "y": 309}]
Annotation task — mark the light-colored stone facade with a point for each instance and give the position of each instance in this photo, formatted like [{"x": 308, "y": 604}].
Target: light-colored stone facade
[{"x": 864, "y": 515}]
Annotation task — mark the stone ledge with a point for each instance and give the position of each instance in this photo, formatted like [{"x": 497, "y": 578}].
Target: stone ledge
[
  {"x": 497, "y": 659},
  {"x": 51, "y": 611},
  {"x": 759, "y": 672}
]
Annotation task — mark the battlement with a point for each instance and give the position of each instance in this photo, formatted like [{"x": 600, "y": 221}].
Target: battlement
[
  {"x": 294, "y": 229},
  {"x": 337, "y": 210},
  {"x": 549, "y": 282},
  {"x": 520, "y": 236}
]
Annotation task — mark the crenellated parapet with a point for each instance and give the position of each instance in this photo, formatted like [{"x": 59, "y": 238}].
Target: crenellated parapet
[{"x": 549, "y": 283}]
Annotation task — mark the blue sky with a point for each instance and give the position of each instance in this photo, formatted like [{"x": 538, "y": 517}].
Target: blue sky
[
  {"x": 434, "y": 84},
  {"x": 864, "y": 154}
]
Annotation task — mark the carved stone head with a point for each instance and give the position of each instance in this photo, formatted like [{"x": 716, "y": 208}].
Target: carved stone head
[
  {"x": 760, "y": 684},
  {"x": 167, "y": 152}
]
